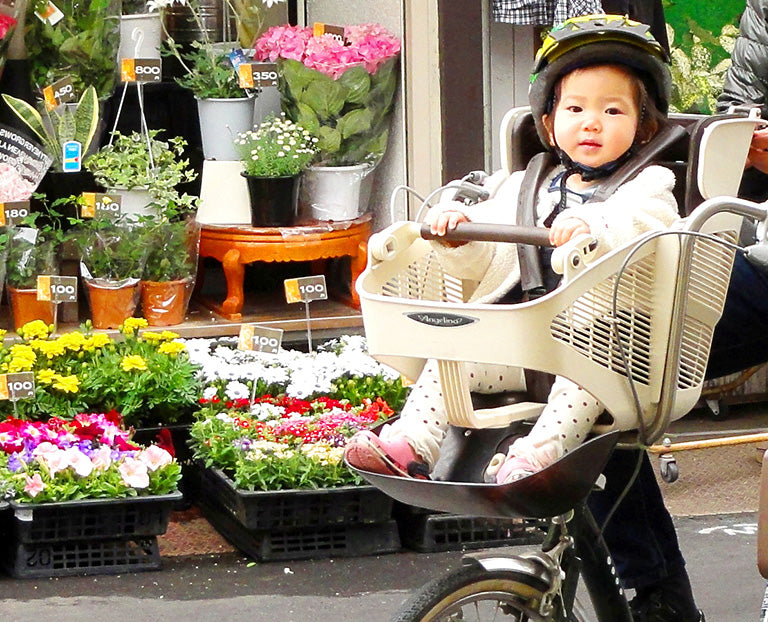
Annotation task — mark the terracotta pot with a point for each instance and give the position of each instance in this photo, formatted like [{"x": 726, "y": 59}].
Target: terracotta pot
[
  {"x": 26, "y": 307},
  {"x": 164, "y": 303},
  {"x": 111, "y": 306}
]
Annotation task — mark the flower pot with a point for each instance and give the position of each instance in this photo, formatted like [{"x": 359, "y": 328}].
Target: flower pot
[
  {"x": 164, "y": 303},
  {"x": 221, "y": 120},
  {"x": 273, "y": 200},
  {"x": 26, "y": 307},
  {"x": 335, "y": 192},
  {"x": 140, "y": 36},
  {"x": 111, "y": 306}
]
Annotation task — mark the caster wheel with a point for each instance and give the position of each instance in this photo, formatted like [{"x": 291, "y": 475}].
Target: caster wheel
[
  {"x": 669, "y": 469},
  {"x": 718, "y": 410}
]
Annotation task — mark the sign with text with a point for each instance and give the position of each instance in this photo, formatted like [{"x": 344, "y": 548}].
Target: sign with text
[
  {"x": 101, "y": 205},
  {"x": 60, "y": 92},
  {"x": 53, "y": 288},
  {"x": 17, "y": 386},
  {"x": 260, "y": 338},
  {"x": 337, "y": 32},
  {"x": 12, "y": 212},
  {"x": 26, "y": 156},
  {"x": 257, "y": 75},
  {"x": 305, "y": 289},
  {"x": 140, "y": 70}
]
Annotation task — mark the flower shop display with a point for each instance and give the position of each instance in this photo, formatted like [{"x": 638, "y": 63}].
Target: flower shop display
[
  {"x": 85, "y": 498},
  {"x": 168, "y": 277},
  {"x": 273, "y": 155},
  {"x": 79, "y": 41},
  {"x": 144, "y": 170},
  {"x": 112, "y": 258},
  {"x": 343, "y": 93},
  {"x": 147, "y": 377}
]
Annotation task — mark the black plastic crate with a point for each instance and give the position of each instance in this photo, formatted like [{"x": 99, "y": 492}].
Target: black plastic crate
[
  {"x": 81, "y": 557},
  {"x": 89, "y": 519},
  {"x": 286, "y": 509},
  {"x": 346, "y": 540},
  {"x": 429, "y": 532}
]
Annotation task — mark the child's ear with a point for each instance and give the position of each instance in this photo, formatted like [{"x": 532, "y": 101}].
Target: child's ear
[{"x": 547, "y": 121}]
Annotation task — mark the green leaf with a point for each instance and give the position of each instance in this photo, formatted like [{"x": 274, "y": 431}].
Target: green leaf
[
  {"x": 355, "y": 122},
  {"x": 325, "y": 97},
  {"x": 297, "y": 76},
  {"x": 307, "y": 118},
  {"x": 357, "y": 82},
  {"x": 31, "y": 118},
  {"x": 328, "y": 140},
  {"x": 66, "y": 127},
  {"x": 87, "y": 117}
]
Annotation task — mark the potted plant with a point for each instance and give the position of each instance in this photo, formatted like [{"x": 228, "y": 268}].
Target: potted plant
[
  {"x": 169, "y": 273},
  {"x": 273, "y": 156},
  {"x": 343, "y": 93},
  {"x": 141, "y": 168},
  {"x": 112, "y": 256},
  {"x": 82, "y": 44}
]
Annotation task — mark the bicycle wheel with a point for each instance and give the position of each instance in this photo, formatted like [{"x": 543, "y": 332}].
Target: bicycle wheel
[{"x": 475, "y": 594}]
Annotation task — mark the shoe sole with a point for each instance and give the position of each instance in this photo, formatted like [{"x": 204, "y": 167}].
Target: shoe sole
[{"x": 377, "y": 461}]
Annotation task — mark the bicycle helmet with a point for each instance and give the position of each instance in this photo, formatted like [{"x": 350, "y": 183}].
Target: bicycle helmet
[{"x": 595, "y": 40}]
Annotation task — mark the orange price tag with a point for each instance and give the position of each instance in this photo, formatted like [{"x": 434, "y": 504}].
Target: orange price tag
[
  {"x": 245, "y": 339},
  {"x": 245, "y": 76},
  {"x": 292, "y": 293},
  {"x": 4, "y": 393},
  {"x": 2, "y": 215},
  {"x": 44, "y": 288},
  {"x": 128, "y": 70}
]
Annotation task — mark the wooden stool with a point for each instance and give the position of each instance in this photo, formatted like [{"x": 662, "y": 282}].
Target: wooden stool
[{"x": 237, "y": 245}]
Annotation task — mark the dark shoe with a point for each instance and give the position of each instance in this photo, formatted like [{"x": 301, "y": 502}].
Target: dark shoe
[
  {"x": 366, "y": 451},
  {"x": 655, "y": 608}
]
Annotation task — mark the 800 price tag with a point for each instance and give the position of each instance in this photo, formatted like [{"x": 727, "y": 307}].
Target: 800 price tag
[
  {"x": 57, "y": 288},
  {"x": 13, "y": 212},
  {"x": 305, "y": 289},
  {"x": 17, "y": 386},
  {"x": 140, "y": 70}
]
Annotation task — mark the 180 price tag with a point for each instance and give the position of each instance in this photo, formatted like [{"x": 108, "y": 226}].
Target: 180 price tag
[
  {"x": 100, "y": 205},
  {"x": 51, "y": 288},
  {"x": 17, "y": 386},
  {"x": 12, "y": 212},
  {"x": 260, "y": 338},
  {"x": 305, "y": 289},
  {"x": 140, "y": 70}
]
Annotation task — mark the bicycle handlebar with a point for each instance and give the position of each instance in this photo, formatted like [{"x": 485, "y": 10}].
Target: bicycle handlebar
[{"x": 474, "y": 231}]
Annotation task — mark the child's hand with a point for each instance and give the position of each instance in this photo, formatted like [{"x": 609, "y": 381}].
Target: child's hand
[
  {"x": 446, "y": 221},
  {"x": 565, "y": 229}
]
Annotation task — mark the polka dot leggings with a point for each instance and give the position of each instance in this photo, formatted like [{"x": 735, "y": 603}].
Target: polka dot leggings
[{"x": 567, "y": 418}]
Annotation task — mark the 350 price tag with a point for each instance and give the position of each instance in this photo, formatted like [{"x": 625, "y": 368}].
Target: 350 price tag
[
  {"x": 17, "y": 386},
  {"x": 100, "y": 205},
  {"x": 51, "y": 288},
  {"x": 257, "y": 75},
  {"x": 60, "y": 92},
  {"x": 140, "y": 70},
  {"x": 12, "y": 212},
  {"x": 305, "y": 289},
  {"x": 260, "y": 338}
]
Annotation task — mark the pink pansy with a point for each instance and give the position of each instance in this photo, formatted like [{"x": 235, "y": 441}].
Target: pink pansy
[
  {"x": 79, "y": 461},
  {"x": 102, "y": 458},
  {"x": 134, "y": 473},
  {"x": 35, "y": 485},
  {"x": 155, "y": 457}
]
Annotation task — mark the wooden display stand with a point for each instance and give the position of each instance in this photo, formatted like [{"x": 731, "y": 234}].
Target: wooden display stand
[{"x": 236, "y": 246}]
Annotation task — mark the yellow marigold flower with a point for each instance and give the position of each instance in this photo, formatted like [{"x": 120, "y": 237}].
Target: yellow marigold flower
[
  {"x": 168, "y": 335},
  {"x": 151, "y": 336},
  {"x": 46, "y": 376},
  {"x": 47, "y": 348},
  {"x": 171, "y": 347},
  {"x": 67, "y": 384},
  {"x": 97, "y": 340},
  {"x": 132, "y": 324},
  {"x": 3, "y": 333},
  {"x": 36, "y": 329},
  {"x": 133, "y": 361},
  {"x": 72, "y": 341},
  {"x": 23, "y": 357}
]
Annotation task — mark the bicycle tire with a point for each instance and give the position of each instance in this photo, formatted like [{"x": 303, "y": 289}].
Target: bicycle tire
[{"x": 482, "y": 592}]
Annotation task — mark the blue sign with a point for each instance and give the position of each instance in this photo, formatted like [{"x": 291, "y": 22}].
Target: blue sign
[{"x": 71, "y": 157}]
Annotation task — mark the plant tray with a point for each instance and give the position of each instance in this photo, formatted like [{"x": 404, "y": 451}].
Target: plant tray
[
  {"x": 82, "y": 557},
  {"x": 343, "y": 540},
  {"x": 288, "y": 509},
  {"x": 91, "y": 519},
  {"x": 428, "y": 532}
]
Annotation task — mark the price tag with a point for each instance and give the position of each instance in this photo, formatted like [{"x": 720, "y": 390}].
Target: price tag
[
  {"x": 257, "y": 75},
  {"x": 260, "y": 338},
  {"x": 337, "y": 32},
  {"x": 17, "y": 386},
  {"x": 305, "y": 289},
  {"x": 50, "y": 13},
  {"x": 60, "y": 92},
  {"x": 12, "y": 212},
  {"x": 140, "y": 70},
  {"x": 52, "y": 288},
  {"x": 100, "y": 205}
]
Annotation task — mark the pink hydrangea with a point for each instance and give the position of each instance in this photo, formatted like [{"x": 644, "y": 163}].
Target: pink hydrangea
[{"x": 283, "y": 42}]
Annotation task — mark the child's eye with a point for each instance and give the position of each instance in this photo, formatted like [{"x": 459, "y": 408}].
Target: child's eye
[
  {"x": 574, "y": 108},
  {"x": 613, "y": 111}
]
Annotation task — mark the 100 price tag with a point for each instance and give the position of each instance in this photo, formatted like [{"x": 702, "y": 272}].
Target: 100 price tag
[
  {"x": 17, "y": 386},
  {"x": 51, "y": 288},
  {"x": 260, "y": 338},
  {"x": 305, "y": 289}
]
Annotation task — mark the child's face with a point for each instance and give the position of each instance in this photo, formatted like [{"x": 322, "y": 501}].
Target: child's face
[{"x": 596, "y": 115}]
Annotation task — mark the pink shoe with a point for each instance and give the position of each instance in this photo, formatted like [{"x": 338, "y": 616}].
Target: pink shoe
[
  {"x": 513, "y": 469},
  {"x": 366, "y": 451}
]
